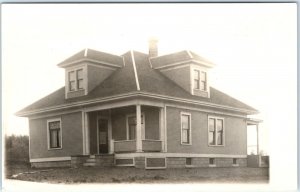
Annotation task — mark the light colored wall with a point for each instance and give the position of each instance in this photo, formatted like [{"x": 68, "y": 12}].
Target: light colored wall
[
  {"x": 71, "y": 136},
  {"x": 180, "y": 76},
  {"x": 235, "y": 134}
]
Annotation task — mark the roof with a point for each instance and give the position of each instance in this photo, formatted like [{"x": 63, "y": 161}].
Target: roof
[
  {"x": 122, "y": 81},
  {"x": 93, "y": 55},
  {"x": 178, "y": 57}
]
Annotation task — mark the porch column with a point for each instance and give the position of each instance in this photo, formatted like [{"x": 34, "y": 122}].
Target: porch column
[
  {"x": 85, "y": 134},
  {"x": 138, "y": 129},
  {"x": 162, "y": 129},
  {"x": 110, "y": 141},
  {"x": 257, "y": 144}
]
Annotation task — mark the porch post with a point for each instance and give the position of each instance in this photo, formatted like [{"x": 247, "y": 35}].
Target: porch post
[
  {"x": 138, "y": 129},
  {"x": 110, "y": 141},
  {"x": 162, "y": 128},
  {"x": 86, "y": 135},
  {"x": 257, "y": 144}
]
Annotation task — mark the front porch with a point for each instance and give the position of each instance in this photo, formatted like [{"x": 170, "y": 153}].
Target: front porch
[{"x": 124, "y": 129}]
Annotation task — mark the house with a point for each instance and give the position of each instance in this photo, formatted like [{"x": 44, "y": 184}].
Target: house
[{"x": 140, "y": 110}]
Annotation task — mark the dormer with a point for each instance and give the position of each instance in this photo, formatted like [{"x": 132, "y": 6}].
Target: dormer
[
  {"x": 87, "y": 69},
  {"x": 187, "y": 69}
]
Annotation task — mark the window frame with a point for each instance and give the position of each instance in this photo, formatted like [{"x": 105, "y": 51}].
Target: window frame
[
  {"x": 127, "y": 126},
  {"x": 199, "y": 79},
  {"x": 76, "y": 80},
  {"x": 190, "y": 128},
  {"x": 48, "y": 134},
  {"x": 216, "y": 131}
]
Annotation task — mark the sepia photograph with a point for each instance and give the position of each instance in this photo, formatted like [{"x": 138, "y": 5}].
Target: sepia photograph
[{"x": 164, "y": 96}]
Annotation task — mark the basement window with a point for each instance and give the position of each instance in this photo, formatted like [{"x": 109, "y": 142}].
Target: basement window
[
  {"x": 212, "y": 161},
  {"x": 188, "y": 161}
]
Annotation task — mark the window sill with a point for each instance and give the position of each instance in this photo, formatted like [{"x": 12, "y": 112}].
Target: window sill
[
  {"x": 50, "y": 149},
  {"x": 216, "y": 145},
  {"x": 235, "y": 165},
  {"x": 212, "y": 165},
  {"x": 75, "y": 90},
  {"x": 186, "y": 144}
]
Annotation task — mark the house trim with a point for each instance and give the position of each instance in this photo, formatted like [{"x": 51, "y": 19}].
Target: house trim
[
  {"x": 132, "y": 155},
  {"x": 190, "y": 128},
  {"x": 135, "y": 71},
  {"x": 90, "y": 60},
  {"x": 184, "y": 62},
  {"x": 134, "y": 94},
  {"x": 48, "y": 134},
  {"x": 37, "y": 160}
]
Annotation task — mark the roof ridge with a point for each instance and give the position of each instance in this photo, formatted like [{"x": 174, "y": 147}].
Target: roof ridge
[{"x": 135, "y": 71}]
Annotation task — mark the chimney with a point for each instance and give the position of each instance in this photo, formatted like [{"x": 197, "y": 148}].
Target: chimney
[{"x": 153, "y": 51}]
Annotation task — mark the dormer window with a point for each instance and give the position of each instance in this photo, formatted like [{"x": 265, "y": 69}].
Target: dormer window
[
  {"x": 76, "y": 80},
  {"x": 200, "y": 80}
]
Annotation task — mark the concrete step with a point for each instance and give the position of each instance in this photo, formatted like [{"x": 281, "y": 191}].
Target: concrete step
[
  {"x": 91, "y": 160},
  {"x": 89, "y": 164}
]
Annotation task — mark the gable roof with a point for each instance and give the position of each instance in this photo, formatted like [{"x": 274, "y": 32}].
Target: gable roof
[
  {"x": 178, "y": 57},
  {"x": 93, "y": 55},
  {"x": 123, "y": 82}
]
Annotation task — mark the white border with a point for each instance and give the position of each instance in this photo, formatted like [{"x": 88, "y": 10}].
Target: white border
[{"x": 48, "y": 136}]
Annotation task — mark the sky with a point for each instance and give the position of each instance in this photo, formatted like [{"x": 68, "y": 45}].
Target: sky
[{"x": 254, "y": 47}]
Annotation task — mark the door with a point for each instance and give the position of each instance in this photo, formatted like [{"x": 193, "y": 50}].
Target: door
[{"x": 103, "y": 135}]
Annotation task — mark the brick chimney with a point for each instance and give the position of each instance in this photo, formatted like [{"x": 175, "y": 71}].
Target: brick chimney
[{"x": 153, "y": 51}]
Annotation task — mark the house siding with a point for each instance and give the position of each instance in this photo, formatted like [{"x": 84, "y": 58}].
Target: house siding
[
  {"x": 235, "y": 134},
  {"x": 71, "y": 136}
]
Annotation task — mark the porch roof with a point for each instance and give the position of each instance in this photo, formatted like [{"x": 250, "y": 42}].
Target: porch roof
[{"x": 122, "y": 81}]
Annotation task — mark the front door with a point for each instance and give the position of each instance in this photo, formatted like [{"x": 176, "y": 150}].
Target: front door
[{"x": 103, "y": 135}]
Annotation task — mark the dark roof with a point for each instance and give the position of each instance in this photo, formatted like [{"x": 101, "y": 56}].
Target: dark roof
[
  {"x": 123, "y": 81},
  {"x": 94, "y": 55},
  {"x": 177, "y": 57}
]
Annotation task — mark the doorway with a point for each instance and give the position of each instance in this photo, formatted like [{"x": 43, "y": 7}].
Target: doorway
[{"x": 102, "y": 136}]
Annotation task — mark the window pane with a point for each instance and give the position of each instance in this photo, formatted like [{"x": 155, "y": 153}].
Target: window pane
[
  {"x": 219, "y": 138},
  {"x": 80, "y": 74},
  {"x": 219, "y": 124},
  {"x": 72, "y": 85},
  {"x": 185, "y": 121},
  {"x": 211, "y": 124},
  {"x": 184, "y": 136},
  {"x": 72, "y": 76},
  {"x": 132, "y": 120},
  {"x": 196, "y": 74},
  {"x": 80, "y": 84},
  {"x": 203, "y": 76},
  {"x": 202, "y": 86},
  {"x": 196, "y": 84},
  {"x": 211, "y": 138},
  {"x": 53, "y": 139}
]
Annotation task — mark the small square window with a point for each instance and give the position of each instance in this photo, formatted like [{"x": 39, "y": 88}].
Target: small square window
[
  {"x": 212, "y": 161},
  {"x": 234, "y": 161},
  {"x": 188, "y": 161}
]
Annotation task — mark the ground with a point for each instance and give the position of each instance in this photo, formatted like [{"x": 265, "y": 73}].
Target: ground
[{"x": 133, "y": 175}]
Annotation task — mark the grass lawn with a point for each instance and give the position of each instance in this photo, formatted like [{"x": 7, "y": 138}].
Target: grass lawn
[{"x": 133, "y": 175}]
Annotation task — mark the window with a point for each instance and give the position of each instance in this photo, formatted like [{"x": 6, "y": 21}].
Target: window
[
  {"x": 203, "y": 81},
  {"x": 131, "y": 121},
  {"x": 185, "y": 128},
  {"x": 200, "y": 80},
  {"x": 76, "y": 80},
  {"x": 196, "y": 79},
  {"x": 188, "y": 161},
  {"x": 54, "y": 134},
  {"x": 212, "y": 161},
  {"x": 80, "y": 79},
  {"x": 234, "y": 161},
  {"x": 215, "y": 131}
]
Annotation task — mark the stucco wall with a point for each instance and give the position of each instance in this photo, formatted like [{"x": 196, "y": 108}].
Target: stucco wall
[
  {"x": 71, "y": 136},
  {"x": 235, "y": 134}
]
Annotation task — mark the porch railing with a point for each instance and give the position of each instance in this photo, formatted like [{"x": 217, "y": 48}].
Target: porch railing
[
  {"x": 124, "y": 146},
  {"x": 130, "y": 146},
  {"x": 151, "y": 145}
]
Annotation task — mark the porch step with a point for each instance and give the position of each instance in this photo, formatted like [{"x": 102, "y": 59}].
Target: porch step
[{"x": 89, "y": 164}]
